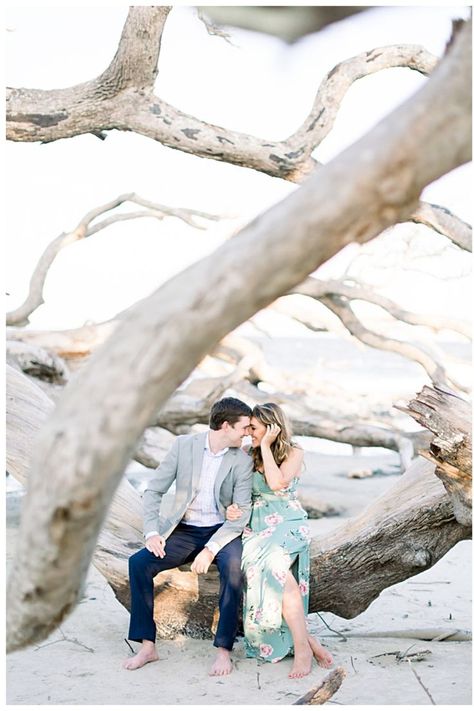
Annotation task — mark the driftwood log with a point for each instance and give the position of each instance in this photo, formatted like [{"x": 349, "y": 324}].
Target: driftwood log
[{"x": 405, "y": 531}]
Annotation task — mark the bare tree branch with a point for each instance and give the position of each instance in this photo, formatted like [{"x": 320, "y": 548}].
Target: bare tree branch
[
  {"x": 114, "y": 101},
  {"x": 434, "y": 369},
  {"x": 317, "y": 288},
  {"x": 443, "y": 221},
  {"x": 135, "y": 64},
  {"x": 84, "y": 229}
]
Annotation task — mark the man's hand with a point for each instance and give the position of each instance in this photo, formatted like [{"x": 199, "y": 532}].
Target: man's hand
[
  {"x": 156, "y": 545},
  {"x": 202, "y": 561},
  {"x": 233, "y": 512}
]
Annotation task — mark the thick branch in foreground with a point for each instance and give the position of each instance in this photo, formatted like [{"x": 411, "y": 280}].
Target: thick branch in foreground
[
  {"x": 405, "y": 531},
  {"x": 87, "y": 442},
  {"x": 122, "y": 99}
]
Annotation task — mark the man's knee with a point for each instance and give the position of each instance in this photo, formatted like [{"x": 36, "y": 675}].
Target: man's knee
[{"x": 138, "y": 560}]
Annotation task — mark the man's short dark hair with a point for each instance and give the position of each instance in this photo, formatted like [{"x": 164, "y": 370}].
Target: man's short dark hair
[{"x": 230, "y": 410}]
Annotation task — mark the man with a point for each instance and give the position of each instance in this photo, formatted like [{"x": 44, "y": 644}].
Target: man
[{"x": 211, "y": 472}]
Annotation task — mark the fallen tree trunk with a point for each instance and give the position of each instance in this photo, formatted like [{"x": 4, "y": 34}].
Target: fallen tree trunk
[{"x": 405, "y": 531}]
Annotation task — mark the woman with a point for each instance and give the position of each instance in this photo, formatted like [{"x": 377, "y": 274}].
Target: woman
[{"x": 275, "y": 554}]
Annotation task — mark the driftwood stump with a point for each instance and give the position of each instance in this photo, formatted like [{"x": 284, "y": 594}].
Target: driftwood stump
[{"x": 448, "y": 416}]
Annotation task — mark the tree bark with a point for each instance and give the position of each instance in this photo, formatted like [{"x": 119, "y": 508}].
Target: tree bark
[
  {"x": 321, "y": 693},
  {"x": 449, "y": 418},
  {"x": 402, "y": 533}
]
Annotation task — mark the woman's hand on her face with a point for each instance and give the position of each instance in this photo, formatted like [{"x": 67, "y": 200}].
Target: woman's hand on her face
[
  {"x": 270, "y": 435},
  {"x": 233, "y": 512}
]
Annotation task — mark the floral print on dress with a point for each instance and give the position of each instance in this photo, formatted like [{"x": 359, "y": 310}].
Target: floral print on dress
[
  {"x": 304, "y": 587},
  {"x": 278, "y": 542},
  {"x": 280, "y": 575}
]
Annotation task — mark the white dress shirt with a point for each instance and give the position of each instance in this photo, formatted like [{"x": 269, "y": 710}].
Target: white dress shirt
[{"x": 203, "y": 510}]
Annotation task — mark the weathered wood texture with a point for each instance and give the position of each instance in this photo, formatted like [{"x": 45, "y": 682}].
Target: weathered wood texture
[
  {"x": 449, "y": 418},
  {"x": 122, "y": 98},
  {"x": 402, "y": 533},
  {"x": 321, "y": 693}
]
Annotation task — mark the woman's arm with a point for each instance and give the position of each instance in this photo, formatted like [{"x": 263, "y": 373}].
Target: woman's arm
[{"x": 280, "y": 477}]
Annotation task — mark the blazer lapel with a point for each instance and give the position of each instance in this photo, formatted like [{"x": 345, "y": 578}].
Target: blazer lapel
[
  {"x": 223, "y": 471},
  {"x": 198, "y": 455}
]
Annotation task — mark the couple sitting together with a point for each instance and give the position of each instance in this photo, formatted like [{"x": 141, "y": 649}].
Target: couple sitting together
[{"x": 238, "y": 509}]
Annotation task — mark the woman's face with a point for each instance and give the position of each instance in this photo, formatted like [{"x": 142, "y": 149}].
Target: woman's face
[{"x": 257, "y": 430}]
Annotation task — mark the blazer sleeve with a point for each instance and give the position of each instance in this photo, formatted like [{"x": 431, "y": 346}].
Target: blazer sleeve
[
  {"x": 242, "y": 496},
  {"x": 157, "y": 487}
]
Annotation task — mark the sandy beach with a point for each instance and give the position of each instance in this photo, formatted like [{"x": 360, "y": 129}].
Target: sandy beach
[{"x": 80, "y": 663}]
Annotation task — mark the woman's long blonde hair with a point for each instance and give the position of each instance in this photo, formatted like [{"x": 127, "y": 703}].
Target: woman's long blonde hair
[{"x": 271, "y": 414}]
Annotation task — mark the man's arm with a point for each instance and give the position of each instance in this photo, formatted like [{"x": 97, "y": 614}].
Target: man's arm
[
  {"x": 157, "y": 487},
  {"x": 242, "y": 496}
]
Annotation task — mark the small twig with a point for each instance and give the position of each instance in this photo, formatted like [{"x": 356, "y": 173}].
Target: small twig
[
  {"x": 320, "y": 694},
  {"x": 422, "y": 685},
  {"x": 74, "y": 640},
  {"x": 402, "y": 656},
  {"x": 386, "y": 654},
  {"x": 213, "y": 29},
  {"x": 127, "y": 642},
  {"x": 331, "y": 629},
  {"x": 352, "y": 662},
  {"x": 258, "y": 681}
]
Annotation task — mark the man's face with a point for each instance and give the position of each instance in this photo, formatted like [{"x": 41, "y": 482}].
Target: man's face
[{"x": 237, "y": 431}]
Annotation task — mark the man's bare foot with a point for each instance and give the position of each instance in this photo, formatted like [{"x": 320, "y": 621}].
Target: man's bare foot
[
  {"x": 146, "y": 654},
  {"x": 322, "y": 656},
  {"x": 302, "y": 664},
  {"x": 222, "y": 663}
]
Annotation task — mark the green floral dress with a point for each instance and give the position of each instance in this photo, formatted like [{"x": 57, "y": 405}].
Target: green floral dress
[{"x": 275, "y": 541}]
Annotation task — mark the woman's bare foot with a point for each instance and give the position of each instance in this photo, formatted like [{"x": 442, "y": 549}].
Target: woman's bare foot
[
  {"x": 222, "y": 663},
  {"x": 302, "y": 664},
  {"x": 322, "y": 656},
  {"x": 146, "y": 654}
]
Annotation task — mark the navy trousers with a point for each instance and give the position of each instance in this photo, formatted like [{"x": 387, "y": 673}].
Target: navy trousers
[{"x": 182, "y": 546}]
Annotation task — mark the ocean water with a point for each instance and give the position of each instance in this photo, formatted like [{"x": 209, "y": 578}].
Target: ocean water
[{"x": 349, "y": 364}]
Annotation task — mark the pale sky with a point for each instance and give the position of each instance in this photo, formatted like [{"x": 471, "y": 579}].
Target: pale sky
[{"x": 261, "y": 86}]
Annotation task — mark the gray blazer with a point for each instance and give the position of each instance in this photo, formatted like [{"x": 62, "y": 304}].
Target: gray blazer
[{"x": 183, "y": 465}]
